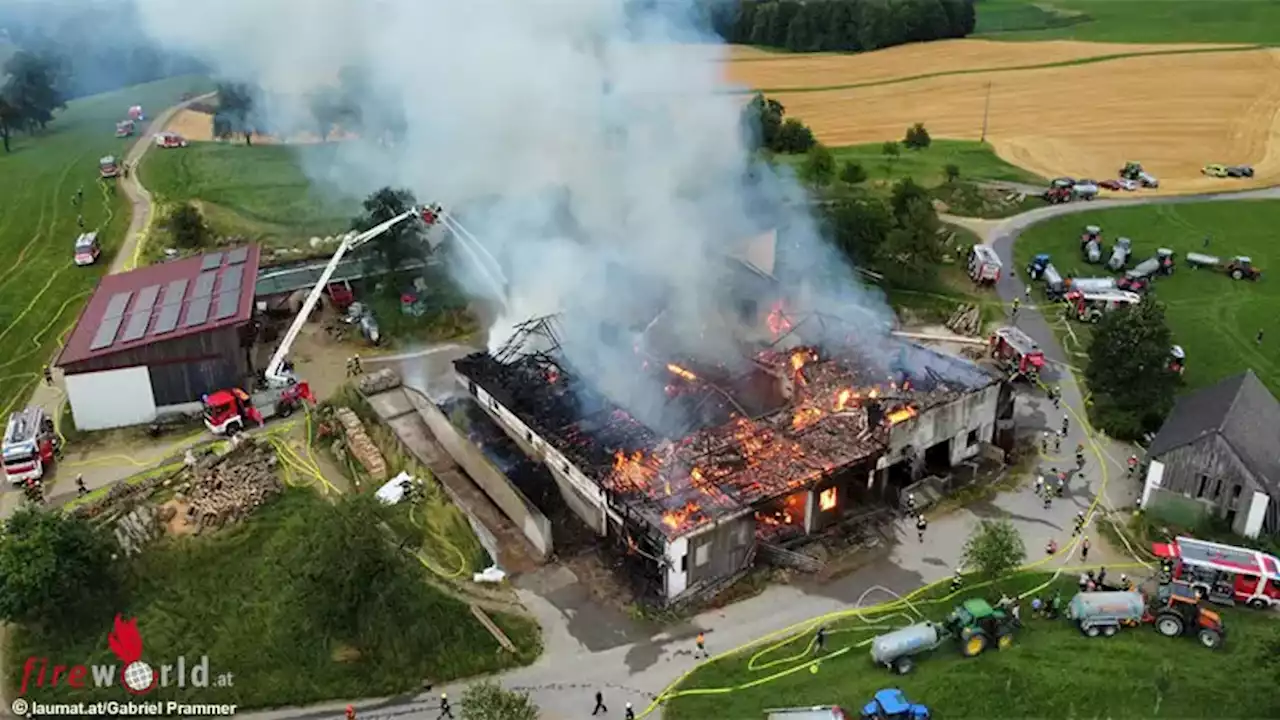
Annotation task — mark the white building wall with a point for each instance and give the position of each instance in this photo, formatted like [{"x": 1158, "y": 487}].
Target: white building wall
[
  {"x": 971, "y": 413},
  {"x": 1155, "y": 476},
  {"x": 1257, "y": 513},
  {"x": 677, "y": 576},
  {"x": 111, "y": 398}
]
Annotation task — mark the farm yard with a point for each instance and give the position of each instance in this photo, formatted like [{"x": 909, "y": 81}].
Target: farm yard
[
  {"x": 1052, "y": 670},
  {"x": 1213, "y": 317},
  {"x": 41, "y": 290}
]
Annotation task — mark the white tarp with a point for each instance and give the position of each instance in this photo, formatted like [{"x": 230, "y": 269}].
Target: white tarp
[{"x": 393, "y": 492}]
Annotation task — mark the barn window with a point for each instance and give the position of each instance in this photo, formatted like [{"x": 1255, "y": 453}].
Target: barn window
[
  {"x": 684, "y": 563},
  {"x": 1217, "y": 489},
  {"x": 1202, "y": 486},
  {"x": 1235, "y": 492},
  {"x": 972, "y": 439},
  {"x": 701, "y": 554}
]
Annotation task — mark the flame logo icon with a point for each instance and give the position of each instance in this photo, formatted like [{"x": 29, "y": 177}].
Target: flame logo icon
[{"x": 125, "y": 642}]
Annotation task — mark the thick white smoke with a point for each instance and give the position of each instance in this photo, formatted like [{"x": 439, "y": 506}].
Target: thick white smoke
[{"x": 595, "y": 141}]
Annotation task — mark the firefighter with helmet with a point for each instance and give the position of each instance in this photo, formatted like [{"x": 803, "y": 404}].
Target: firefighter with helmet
[
  {"x": 351, "y": 712},
  {"x": 1133, "y": 465}
]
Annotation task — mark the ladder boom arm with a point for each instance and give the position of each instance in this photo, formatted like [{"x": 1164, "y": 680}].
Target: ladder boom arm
[{"x": 273, "y": 374}]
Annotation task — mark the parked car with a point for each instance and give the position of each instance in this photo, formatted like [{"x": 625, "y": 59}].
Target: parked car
[
  {"x": 1214, "y": 170},
  {"x": 1240, "y": 171},
  {"x": 1119, "y": 184},
  {"x": 1146, "y": 179}
]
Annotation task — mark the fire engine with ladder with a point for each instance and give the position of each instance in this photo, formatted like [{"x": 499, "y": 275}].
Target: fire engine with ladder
[
  {"x": 1017, "y": 354},
  {"x": 227, "y": 412},
  {"x": 30, "y": 445},
  {"x": 1223, "y": 574}
]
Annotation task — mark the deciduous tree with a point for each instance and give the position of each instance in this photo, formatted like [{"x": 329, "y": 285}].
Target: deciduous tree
[
  {"x": 859, "y": 226},
  {"x": 819, "y": 166},
  {"x": 890, "y": 151},
  {"x": 994, "y": 548},
  {"x": 1128, "y": 370},
  {"x": 186, "y": 226},
  {"x": 10, "y": 121},
  {"x": 236, "y": 110},
  {"x": 853, "y": 173},
  {"x": 914, "y": 245},
  {"x": 487, "y": 700},
  {"x": 55, "y": 569},
  {"x": 32, "y": 88},
  {"x": 917, "y": 137},
  {"x": 401, "y": 242}
]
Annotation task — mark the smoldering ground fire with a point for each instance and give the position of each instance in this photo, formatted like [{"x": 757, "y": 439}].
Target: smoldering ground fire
[{"x": 810, "y": 428}]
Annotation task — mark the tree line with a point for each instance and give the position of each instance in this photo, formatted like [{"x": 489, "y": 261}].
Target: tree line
[
  {"x": 31, "y": 94},
  {"x": 841, "y": 25}
]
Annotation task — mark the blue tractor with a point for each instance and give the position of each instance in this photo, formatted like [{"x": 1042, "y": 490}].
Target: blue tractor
[
  {"x": 892, "y": 704},
  {"x": 1037, "y": 265}
]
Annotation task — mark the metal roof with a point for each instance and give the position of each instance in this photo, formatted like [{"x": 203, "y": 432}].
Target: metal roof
[
  {"x": 1243, "y": 412},
  {"x": 1224, "y": 557},
  {"x": 163, "y": 302}
]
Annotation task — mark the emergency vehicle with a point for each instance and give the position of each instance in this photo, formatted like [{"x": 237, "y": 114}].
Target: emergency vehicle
[
  {"x": 984, "y": 265},
  {"x": 124, "y": 129},
  {"x": 1223, "y": 573},
  {"x": 227, "y": 412},
  {"x": 170, "y": 140},
  {"x": 30, "y": 443},
  {"x": 87, "y": 249},
  {"x": 107, "y": 167},
  {"x": 1017, "y": 354},
  {"x": 1088, "y": 306}
]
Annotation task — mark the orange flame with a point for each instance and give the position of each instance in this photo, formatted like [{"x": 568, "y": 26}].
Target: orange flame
[
  {"x": 804, "y": 417},
  {"x": 902, "y": 414},
  {"x": 777, "y": 320},
  {"x": 677, "y": 370},
  {"x": 675, "y": 518},
  {"x": 842, "y": 399},
  {"x": 827, "y": 500}
]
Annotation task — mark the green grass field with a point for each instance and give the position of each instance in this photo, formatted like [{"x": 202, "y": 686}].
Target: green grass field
[
  {"x": 977, "y": 161},
  {"x": 41, "y": 290},
  {"x": 1052, "y": 671},
  {"x": 234, "y": 596},
  {"x": 259, "y": 192},
  {"x": 1137, "y": 21},
  {"x": 1212, "y": 316}
]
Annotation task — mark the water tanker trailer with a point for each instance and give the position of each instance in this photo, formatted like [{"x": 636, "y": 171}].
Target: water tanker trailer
[
  {"x": 1120, "y": 253},
  {"x": 1092, "y": 284},
  {"x": 974, "y": 624},
  {"x": 1202, "y": 260},
  {"x": 1103, "y": 613}
]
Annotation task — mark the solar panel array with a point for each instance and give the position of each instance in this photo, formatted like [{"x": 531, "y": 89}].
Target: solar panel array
[{"x": 159, "y": 313}]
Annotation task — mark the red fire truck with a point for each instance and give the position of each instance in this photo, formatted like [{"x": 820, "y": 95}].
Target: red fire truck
[
  {"x": 1223, "y": 573},
  {"x": 1017, "y": 354},
  {"x": 227, "y": 412},
  {"x": 30, "y": 445}
]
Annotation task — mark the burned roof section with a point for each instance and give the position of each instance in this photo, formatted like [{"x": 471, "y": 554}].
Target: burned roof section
[{"x": 796, "y": 415}]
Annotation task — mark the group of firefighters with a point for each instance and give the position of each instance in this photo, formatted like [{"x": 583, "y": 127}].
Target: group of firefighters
[{"x": 33, "y": 489}]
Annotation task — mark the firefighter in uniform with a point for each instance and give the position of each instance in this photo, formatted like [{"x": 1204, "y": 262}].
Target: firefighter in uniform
[
  {"x": 921, "y": 526},
  {"x": 1133, "y": 465}
]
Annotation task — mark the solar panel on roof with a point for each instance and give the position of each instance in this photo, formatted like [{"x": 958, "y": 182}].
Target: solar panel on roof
[
  {"x": 204, "y": 285},
  {"x": 137, "y": 326},
  {"x": 168, "y": 319},
  {"x": 237, "y": 256},
  {"x": 173, "y": 293},
  {"x": 146, "y": 299},
  {"x": 231, "y": 279},
  {"x": 197, "y": 312},
  {"x": 117, "y": 304},
  {"x": 211, "y": 261},
  {"x": 226, "y": 306},
  {"x": 106, "y": 332}
]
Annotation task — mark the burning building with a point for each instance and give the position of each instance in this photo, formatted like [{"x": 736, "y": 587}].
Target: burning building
[{"x": 810, "y": 426}]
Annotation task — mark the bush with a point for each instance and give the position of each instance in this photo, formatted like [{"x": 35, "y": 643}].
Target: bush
[
  {"x": 819, "y": 165},
  {"x": 488, "y": 700},
  {"x": 994, "y": 548},
  {"x": 794, "y": 137},
  {"x": 952, "y": 171},
  {"x": 853, "y": 173},
  {"x": 917, "y": 138},
  {"x": 187, "y": 227},
  {"x": 56, "y": 570}
]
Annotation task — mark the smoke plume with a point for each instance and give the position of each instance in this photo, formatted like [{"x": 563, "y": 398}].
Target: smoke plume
[{"x": 592, "y": 146}]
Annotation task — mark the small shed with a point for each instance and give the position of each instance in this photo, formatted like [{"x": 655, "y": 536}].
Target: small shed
[{"x": 158, "y": 338}]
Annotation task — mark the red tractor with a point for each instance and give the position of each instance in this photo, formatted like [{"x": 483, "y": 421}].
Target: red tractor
[
  {"x": 1056, "y": 195},
  {"x": 1017, "y": 354}
]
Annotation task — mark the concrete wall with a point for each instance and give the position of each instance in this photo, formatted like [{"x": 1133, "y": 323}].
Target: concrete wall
[
  {"x": 111, "y": 398},
  {"x": 582, "y": 495},
  {"x": 968, "y": 421},
  {"x": 535, "y": 526},
  {"x": 711, "y": 552}
]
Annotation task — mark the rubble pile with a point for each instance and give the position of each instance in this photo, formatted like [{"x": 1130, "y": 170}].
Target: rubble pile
[
  {"x": 360, "y": 446},
  {"x": 137, "y": 529},
  {"x": 380, "y": 381},
  {"x": 231, "y": 487},
  {"x": 121, "y": 494},
  {"x": 966, "y": 320}
]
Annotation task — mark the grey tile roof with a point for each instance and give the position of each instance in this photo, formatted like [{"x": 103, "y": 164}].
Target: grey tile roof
[{"x": 1243, "y": 411}]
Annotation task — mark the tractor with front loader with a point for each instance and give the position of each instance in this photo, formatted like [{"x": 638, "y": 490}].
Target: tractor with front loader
[{"x": 974, "y": 624}]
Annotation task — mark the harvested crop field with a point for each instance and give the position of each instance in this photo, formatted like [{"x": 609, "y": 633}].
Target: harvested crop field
[
  {"x": 816, "y": 70},
  {"x": 1174, "y": 113},
  {"x": 197, "y": 126}
]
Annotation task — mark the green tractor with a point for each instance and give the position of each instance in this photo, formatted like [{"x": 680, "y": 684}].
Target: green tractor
[
  {"x": 978, "y": 626},
  {"x": 1131, "y": 170}
]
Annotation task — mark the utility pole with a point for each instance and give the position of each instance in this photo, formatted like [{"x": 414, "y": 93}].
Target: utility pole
[{"x": 986, "y": 112}]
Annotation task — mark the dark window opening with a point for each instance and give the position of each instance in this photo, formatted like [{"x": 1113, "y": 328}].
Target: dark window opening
[
  {"x": 471, "y": 387},
  {"x": 972, "y": 439},
  {"x": 1217, "y": 489},
  {"x": 1202, "y": 486},
  {"x": 684, "y": 563},
  {"x": 748, "y": 310},
  {"x": 1235, "y": 492}
]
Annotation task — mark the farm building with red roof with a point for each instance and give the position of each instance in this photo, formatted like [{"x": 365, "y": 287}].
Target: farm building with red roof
[{"x": 156, "y": 339}]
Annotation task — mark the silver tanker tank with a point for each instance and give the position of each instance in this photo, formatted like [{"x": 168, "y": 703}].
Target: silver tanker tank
[
  {"x": 1106, "y": 607},
  {"x": 1092, "y": 284},
  {"x": 905, "y": 642}
]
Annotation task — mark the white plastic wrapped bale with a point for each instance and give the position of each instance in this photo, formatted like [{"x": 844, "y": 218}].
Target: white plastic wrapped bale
[
  {"x": 491, "y": 574},
  {"x": 393, "y": 491}
]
